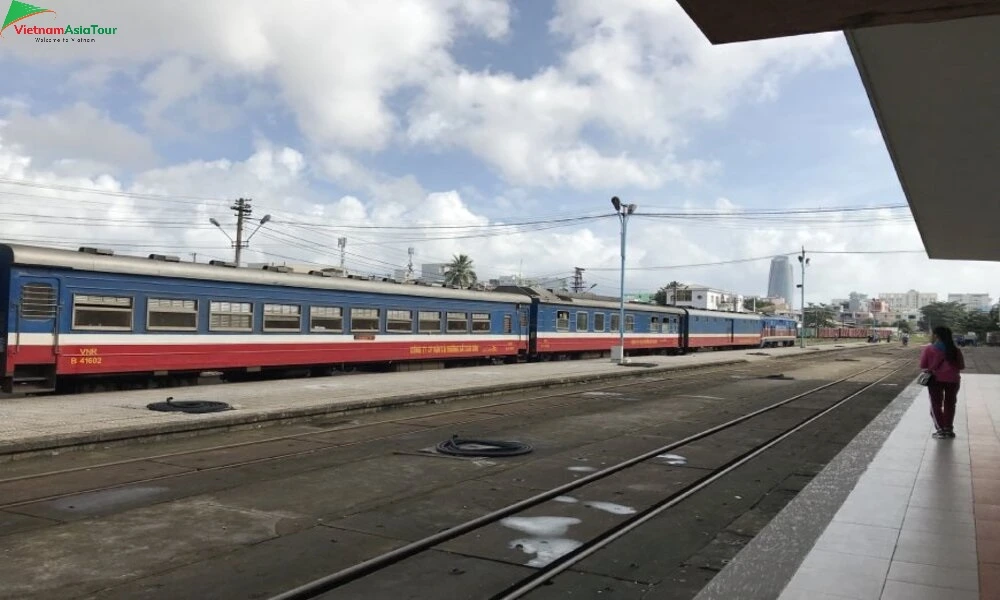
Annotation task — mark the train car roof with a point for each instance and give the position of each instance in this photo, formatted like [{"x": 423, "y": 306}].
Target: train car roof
[
  {"x": 720, "y": 313},
  {"x": 135, "y": 265},
  {"x": 583, "y": 301}
]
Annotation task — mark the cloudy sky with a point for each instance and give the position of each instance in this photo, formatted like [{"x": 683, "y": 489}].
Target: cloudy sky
[{"x": 498, "y": 129}]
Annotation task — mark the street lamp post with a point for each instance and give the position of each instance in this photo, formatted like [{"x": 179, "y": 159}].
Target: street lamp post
[
  {"x": 804, "y": 262},
  {"x": 239, "y": 243},
  {"x": 624, "y": 211}
]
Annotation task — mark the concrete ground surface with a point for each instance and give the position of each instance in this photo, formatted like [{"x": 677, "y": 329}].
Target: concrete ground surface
[
  {"x": 207, "y": 518},
  {"x": 40, "y": 423}
]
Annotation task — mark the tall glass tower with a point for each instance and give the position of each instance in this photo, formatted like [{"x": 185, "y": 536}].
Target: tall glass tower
[{"x": 780, "y": 282}]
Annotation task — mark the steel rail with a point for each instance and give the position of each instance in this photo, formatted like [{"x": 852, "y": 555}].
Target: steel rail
[
  {"x": 544, "y": 575},
  {"x": 374, "y": 564}
]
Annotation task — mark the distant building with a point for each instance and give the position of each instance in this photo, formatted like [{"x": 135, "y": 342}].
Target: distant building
[
  {"x": 433, "y": 272},
  {"x": 705, "y": 297},
  {"x": 642, "y": 297},
  {"x": 972, "y": 302},
  {"x": 857, "y": 302},
  {"x": 550, "y": 283},
  {"x": 780, "y": 281},
  {"x": 906, "y": 301}
]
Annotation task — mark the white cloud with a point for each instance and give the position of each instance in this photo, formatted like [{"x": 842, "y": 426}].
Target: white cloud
[
  {"x": 635, "y": 71},
  {"x": 306, "y": 224},
  {"x": 335, "y": 62},
  {"x": 78, "y": 132}
]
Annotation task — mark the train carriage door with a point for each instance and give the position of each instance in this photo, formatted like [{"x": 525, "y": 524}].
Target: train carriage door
[
  {"x": 732, "y": 330},
  {"x": 37, "y": 316},
  {"x": 33, "y": 345}
]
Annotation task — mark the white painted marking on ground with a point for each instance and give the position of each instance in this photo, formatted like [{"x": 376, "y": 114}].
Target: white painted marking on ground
[
  {"x": 541, "y": 526},
  {"x": 545, "y": 550},
  {"x": 566, "y": 499},
  {"x": 600, "y": 394},
  {"x": 582, "y": 469},
  {"x": 704, "y": 397},
  {"x": 611, "y": 507},
  {"x": 673, "y": 459}
]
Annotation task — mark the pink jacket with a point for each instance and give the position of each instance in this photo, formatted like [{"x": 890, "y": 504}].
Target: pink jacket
[{"x": 933, "y": 360}]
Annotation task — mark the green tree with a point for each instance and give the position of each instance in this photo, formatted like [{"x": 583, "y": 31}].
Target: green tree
[
  {"x": 949, "y": 314},
  {"x": 459, "y": 272},
  {"x": 903, "y": 325},
  {"x": 981, "y": 323},
  {"x": 819, "y": 315}
]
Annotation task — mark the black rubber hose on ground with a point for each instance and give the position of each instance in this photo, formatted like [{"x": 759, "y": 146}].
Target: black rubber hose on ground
[
  {"x": 188, "y": 406},
  {"x": 457, "y": 446}
]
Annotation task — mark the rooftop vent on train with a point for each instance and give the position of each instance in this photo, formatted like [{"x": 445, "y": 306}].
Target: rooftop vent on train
[
  {"x": 321, "y": 273},
  {"x": 91, "y": 250},
  {"x": 277, "y": 268},
  {"x": 222, "y": 263},
  {"x": 165, "y": 257}
]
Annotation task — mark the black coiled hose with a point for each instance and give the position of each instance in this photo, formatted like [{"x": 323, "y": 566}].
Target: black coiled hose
[
  {"x": 188, "y": 406},
  {"x": 457, "y": 446}
]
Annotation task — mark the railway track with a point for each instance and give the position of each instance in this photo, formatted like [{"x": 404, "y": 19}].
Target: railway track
[
  {"x": 678, "y": 381},
  {"x": 838, "y": 393}
]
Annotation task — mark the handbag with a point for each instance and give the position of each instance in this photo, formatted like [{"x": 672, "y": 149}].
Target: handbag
[{"x": 926, "y": 378}]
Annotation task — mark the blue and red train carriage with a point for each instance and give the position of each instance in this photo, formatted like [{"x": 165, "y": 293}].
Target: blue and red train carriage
[{"x": 86, "y": 319}]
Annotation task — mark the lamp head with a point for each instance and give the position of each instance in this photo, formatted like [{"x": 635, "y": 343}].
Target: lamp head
[
  {"x": 616, "y": 203},
  {"x": 214, "y": 222},
  {"x": 265, "y": 219}
]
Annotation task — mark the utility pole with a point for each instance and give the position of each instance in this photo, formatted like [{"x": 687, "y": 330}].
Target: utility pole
[
  {"x": 803, "y": 262},
  {"x": 194, "y": 257},
  {"x": 243, "y": 210},
  {"x": 578, "y": 279},
  {"x": 409, "y": 265}
]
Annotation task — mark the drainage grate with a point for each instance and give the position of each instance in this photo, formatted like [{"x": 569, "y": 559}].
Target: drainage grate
[
  {"x": 638, "y": 364},
  {"x": 779, "y": 376},
  {"x": 847, "y": 359}
]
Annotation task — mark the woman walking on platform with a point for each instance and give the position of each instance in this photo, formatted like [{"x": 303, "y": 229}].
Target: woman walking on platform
[{"x": 944, "y": 361}]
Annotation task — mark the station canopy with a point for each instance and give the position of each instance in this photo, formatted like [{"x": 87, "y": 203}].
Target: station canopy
[{"x": 932, "y": 72}]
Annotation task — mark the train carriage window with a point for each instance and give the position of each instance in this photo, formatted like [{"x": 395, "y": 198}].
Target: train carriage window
[
  {"x": 508, "y": 323},
  {"x": 654, "y": 325},
  {"x": 328, "y": 319},
  {"x": 614, "y": 322},
  {"x": 38, "y": 301},
  {"x": 399, "y": 321},
  {"x": 629, "y": 323},
  {"x": 429, "y": 321},
  {"x": 365, "y": 319},
  {"x": 598, "y": 321},
  {"x": 230, "y": 316},
  {"x": 582, "y": 321},
  {"x": 481, "y": 322},
  {"x": 171, "y": 314},
  {"x": 102, "y": 312},
  {"x": 282, "y": 317},
  {"x": 458, "y": 322},
  {"x": 562, "y": 320}
]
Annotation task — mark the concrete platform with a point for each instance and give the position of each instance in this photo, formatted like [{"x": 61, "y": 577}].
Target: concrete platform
[
  {"x": 896, "y": 515},
  {"x": 47, "y": 423}
]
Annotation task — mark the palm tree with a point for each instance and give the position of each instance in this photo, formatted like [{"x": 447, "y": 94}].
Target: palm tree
[{"x": 459, "y": 272}]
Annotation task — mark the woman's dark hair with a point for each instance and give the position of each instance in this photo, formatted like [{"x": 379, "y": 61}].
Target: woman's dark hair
[{"x": 950, "y": 349}]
